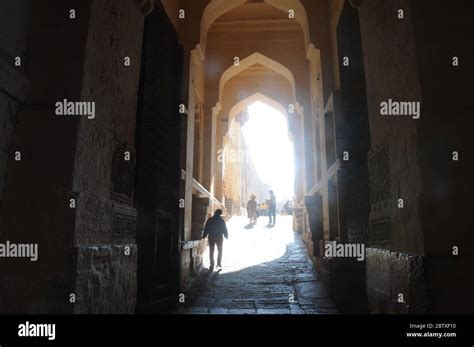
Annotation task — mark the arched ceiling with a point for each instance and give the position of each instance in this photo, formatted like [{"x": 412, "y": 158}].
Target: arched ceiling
[
  {"x": 255, "y": 62},
  {"x": 251, "y": 12},
  {"x": 256, "y": 79},
  {"x": 224, "y": 12},
  {"x": 250, "y": 27}
]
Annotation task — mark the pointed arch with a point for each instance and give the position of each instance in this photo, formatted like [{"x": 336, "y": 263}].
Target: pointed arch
[
  {"x": 257, "y": 58},
  {"x": 299, "y": 12},
  {"x": 243, "y": 104},
  {"x": 214, "y": 10},
  {"x": 217, "y": 8}
]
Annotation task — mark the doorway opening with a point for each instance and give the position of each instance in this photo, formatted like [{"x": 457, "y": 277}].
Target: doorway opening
[
  {"x": 270, "y": 149},
  {"x": 258, "y": 157}
]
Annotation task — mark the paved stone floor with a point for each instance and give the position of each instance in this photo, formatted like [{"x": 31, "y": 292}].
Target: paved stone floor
[{"x": 265, "y": 271}]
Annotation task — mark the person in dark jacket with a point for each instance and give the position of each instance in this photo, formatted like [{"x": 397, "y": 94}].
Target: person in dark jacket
[
  {"x": 252, "y": 209},
  {"x": 216, "y": 229}
]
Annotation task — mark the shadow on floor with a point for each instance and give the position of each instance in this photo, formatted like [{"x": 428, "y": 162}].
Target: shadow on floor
[{"x": 287, "y": 285}]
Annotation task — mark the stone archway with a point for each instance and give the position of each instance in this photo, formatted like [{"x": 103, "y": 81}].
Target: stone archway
[
  {"x": 243, "y": 104},
  {"x": 221, "y": 109},
  {"x": 217, "y": 8},
  {"x": 236, "y": 150},
  {"x": 254, "y": 98},
  {"x": 257, "y": 58},
  {"x": 226, "y": 108}
]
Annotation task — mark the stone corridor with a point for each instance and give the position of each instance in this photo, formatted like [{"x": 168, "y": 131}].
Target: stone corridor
[
  {"x": 265, "y": 271},
  {"x": 115, "y": 200}
]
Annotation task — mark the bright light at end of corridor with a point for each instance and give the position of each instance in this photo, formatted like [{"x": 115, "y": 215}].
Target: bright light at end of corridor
[
  {"x": 266, "y": 135},
  {"x": 257, "y": 246}
]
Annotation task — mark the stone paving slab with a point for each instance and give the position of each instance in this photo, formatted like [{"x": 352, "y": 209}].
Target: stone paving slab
[
  {"x": 272, "y": 306},
  {"x": 266, "y": 271}
]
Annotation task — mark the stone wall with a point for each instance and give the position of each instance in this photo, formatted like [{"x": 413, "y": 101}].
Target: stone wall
[
  {"x": 78, "y": 58},
  {"x": 103, "y": 178},
  {"x": 411, "y": 255},
  {"x": 106, "y": 279},
  {"x": 15, "y": 20},
  {"x": 391, "y": 71},
  {"x": 446, "y": 127},
  {"x": 191, "y": 264},
  {"x": 318, "y": 12},
  {"x": 38, "y": 189}
]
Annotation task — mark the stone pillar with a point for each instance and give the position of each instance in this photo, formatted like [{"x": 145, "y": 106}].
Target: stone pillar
[
  {"x": 300, "y": 156},
  {"x": 213, "y": 150},
  {"x": 207, "y": 148},
  {"x": 196, "y": 60},
  {"x": 198, "y": 140},
  {"x": 324, "y": 170},
  {"x": 104, "y": 167},
  {"x": 218, "y": 192},
  {"x": 393, "y": 160}
]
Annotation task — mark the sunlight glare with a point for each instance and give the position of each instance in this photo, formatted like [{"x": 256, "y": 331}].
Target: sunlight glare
[{"x": 266, "y": 135}]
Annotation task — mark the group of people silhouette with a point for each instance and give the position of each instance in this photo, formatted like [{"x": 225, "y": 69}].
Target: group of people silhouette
[{"x": 253, "y": 211}]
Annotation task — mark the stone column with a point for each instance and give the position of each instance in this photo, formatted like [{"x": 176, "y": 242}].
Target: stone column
[
  {"x": 207, "y": 148},
  {"x": 218, "y": 192},
  {"x": 213, "y": 152},
  {"x": 196, "y": 60},
  {"x": 299, "y": 159},
  {"x": 300, "y": 150},
  {"x": 105, "y": 229}
]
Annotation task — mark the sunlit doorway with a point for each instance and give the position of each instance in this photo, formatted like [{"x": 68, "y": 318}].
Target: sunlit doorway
[
  {"x": 270, "y": 149},
  {"x": 258, "y": 156}
]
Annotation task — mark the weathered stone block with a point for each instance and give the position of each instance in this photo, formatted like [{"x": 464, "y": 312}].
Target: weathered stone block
[
  {"x": 94, "y": 220},
  {"x": 399, "y": 288},
  {"x": 378, "y": 279},
  {"x": 395, "y": 282},
  {"x": 417, "y": 288},
  {"x": 106, "y": 279}
]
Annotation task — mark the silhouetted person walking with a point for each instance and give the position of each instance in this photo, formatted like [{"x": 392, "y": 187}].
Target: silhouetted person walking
[
  {"x": 272, "y": 208},
  {"x": 252, "y": 209},
  {"x": 216, "y": 229}
]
